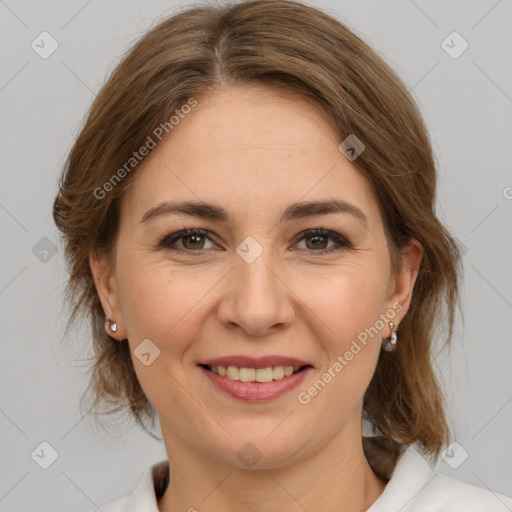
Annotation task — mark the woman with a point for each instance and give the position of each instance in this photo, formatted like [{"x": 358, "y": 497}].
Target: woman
[{"x": 248, "y": 215}]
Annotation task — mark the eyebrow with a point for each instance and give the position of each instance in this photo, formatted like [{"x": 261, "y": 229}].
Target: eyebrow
[{"x": 214, "y": 212}]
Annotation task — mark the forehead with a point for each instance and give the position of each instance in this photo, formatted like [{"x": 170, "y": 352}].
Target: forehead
[{"x": 255, "y": 149}]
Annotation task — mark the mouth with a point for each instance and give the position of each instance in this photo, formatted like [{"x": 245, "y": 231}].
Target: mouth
[
  {"x": 257, "y": 375},
  {"x": 258, "y": 381}
]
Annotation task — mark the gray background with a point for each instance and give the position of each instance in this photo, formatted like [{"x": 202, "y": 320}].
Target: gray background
[{"x": 467, "y": 105}]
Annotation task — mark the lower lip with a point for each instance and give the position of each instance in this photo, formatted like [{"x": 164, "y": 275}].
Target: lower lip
[{"x": 256, "y": 391}]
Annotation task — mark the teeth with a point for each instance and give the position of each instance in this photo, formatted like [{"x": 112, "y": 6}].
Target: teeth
[
  {"x": 247, "y": 374},
  {"x": 254, "y": 374},
  {"x": 278, "y": 372},
  {"x": 264, "y": 374},
  {"x": 233, "y": 373}
]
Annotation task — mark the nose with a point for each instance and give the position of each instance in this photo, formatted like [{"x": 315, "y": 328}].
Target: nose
[{"x": 256, "y": 299}]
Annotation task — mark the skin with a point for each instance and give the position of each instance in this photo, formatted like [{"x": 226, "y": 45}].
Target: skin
[{"x": 263, "y": 150}]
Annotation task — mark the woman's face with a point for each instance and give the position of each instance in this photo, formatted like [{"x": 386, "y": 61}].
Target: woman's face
[{"x": 253, "y": 283}]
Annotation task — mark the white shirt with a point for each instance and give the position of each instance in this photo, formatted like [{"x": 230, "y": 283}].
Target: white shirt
[{"x": 413, "y": 487}]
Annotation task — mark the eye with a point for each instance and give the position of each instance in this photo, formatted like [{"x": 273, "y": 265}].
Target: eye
[
  {"x": 319, "y": 238},
  {"x": 193, "y": 240}
]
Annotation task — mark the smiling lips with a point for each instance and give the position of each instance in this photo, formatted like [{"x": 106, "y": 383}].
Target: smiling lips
[
  {"x": 255, "y": 379},
  {"x": 245, "y": 374},
  {"x": 249, "y": 369}
]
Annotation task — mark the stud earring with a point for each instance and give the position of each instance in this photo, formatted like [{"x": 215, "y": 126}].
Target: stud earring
[
  {"x": 389, "y": 344},
  {"x": 112, "y": 325}
]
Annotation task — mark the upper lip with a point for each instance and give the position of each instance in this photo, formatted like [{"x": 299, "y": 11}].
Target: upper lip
[{"x": 254, "y": 362}]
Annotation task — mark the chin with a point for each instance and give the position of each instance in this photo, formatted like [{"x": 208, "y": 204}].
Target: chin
[{"x": 263, "y": 448}]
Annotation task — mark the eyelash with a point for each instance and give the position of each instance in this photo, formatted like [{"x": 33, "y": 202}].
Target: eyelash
[{"x": 342, "y": 243}]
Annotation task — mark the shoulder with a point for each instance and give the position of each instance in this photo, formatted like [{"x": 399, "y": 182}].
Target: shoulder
[
  {"x": 448, "y": 494},
  {"x": 415, "y": 487}
]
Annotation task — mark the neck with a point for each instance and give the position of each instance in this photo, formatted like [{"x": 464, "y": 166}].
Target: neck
[{"x": 337, "y": 477}]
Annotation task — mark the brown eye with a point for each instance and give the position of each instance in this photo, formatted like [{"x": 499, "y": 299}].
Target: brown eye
[
  {"x": 317, "y": 241},
  {"x": 192, "y": 240}
]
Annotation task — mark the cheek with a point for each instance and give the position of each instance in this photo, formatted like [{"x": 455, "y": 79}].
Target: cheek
[
  {"x": 345, "y": 300},
  {"x": 347, "y": 327},
  {"x": 160, "y": 303}
]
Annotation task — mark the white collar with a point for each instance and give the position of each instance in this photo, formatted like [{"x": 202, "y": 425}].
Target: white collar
[{"x": 411, "y": 474}]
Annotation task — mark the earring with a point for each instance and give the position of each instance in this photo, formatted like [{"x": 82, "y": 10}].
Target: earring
[
  {"x": 389, "y": 344},
  {"x": 112, "y": 325}
]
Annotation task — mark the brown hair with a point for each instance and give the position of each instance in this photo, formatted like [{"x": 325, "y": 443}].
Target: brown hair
[{"x": 287, "y": 44}]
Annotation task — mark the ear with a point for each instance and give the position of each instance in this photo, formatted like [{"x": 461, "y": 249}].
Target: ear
[
  {"x": 106, "y": 287},
  {"x": 401, "y": 283}
]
